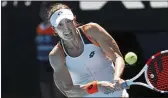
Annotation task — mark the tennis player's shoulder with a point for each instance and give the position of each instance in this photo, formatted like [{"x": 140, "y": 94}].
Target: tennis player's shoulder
[
  {"x": 56, "y": 58},
  {"x": 90, "y": 28},
  {"x": 55, "y": 52}
]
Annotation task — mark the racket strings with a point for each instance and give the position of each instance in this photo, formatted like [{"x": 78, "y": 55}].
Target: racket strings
[{"x": 158, "y": 72}]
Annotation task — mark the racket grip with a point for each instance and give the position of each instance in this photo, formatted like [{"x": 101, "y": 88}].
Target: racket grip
[{"x": 125, "y": 85}]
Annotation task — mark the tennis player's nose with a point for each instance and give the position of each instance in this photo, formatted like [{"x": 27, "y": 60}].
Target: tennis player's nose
[{"x": 66, "y": 28}]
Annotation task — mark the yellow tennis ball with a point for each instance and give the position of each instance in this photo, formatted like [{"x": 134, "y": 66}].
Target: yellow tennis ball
[{"x": 131, "y": 58}]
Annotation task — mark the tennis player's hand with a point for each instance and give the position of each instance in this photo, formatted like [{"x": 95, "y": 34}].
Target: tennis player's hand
[
  {"x": 106, "y": 87},
  {"x": 118, "y": 83}
]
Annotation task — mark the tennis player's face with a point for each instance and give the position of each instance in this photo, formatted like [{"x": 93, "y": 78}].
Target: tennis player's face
[{"x": 66, "y": 29}]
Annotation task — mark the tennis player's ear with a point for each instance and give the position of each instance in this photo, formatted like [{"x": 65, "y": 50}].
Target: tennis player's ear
[
  {"x": 74, "y": 21},
  {"x": 74, "y": 18}
]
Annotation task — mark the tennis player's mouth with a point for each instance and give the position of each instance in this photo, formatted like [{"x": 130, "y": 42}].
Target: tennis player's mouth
[{"x": 69, "y": 34}]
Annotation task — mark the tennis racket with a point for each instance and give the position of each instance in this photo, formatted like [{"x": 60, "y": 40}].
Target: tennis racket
[{"x": 156, "y": 73}]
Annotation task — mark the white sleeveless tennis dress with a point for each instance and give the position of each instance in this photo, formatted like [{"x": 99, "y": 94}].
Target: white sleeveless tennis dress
[{"x": 91, "y": 65}]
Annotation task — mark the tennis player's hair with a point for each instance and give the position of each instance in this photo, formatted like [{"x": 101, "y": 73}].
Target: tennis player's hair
[{"x": 56, "y": 7}]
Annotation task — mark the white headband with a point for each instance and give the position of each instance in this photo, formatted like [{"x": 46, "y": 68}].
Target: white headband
[{"x": 59, "y": 15}]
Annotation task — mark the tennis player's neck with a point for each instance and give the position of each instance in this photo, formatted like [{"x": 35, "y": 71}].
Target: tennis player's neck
[
  {"x": 75, "y": 47},
  {"x": 76, "y": 43}
]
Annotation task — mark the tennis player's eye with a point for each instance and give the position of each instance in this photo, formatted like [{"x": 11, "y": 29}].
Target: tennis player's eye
[{"x": 60, "y": 24}]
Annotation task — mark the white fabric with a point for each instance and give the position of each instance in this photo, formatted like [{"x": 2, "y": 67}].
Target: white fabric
[
  {"x": 59, "y": 15},
  {"x": 84, "y": 69}
]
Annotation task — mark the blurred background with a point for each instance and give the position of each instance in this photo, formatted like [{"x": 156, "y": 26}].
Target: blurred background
[{"x": 141, "y": 27}]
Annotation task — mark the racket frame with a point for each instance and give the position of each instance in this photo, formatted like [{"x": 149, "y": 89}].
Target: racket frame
[{"x": 130, "y": 82}]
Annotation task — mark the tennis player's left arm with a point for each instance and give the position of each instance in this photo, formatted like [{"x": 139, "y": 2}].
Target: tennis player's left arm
[{"x": 109, "y": 47}]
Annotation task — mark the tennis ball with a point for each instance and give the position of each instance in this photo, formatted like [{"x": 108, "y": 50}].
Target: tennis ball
[{"x": 131, "y": 58}]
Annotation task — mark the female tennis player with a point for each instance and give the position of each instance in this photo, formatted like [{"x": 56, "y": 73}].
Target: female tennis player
[{"x": 84, "y": 59}]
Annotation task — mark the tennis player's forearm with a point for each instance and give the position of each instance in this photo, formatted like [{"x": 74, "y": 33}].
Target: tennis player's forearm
[
  {"x": 119, "y": 66},
  {"x": 76, "y": 91}
]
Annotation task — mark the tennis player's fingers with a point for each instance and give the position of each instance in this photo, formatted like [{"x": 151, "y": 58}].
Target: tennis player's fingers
[
  {"x": 111, "y": 89},
  {"x": 117, "y": 86},
  {"x": 104, "y": 89},
  {"x": 107, "y": 90}
]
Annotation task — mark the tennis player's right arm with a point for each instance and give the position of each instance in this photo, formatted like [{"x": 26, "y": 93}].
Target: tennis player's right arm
[{"x": 62, "y": 76}]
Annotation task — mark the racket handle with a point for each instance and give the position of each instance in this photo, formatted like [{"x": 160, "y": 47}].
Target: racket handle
[{"x": 125, "y": 85}]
